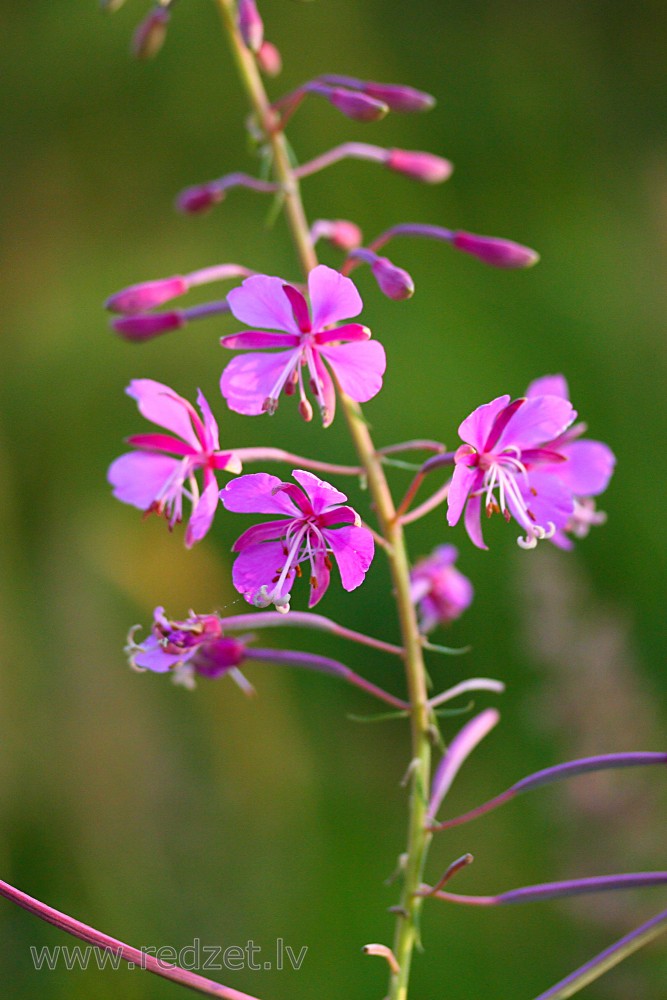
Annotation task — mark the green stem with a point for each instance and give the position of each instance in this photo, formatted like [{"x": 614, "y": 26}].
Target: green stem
[{"x": 406, "y": 935}]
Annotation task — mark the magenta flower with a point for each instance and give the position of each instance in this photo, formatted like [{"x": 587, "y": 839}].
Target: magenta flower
[
  {"x": 315, "y": 524},
  {"x": 252, "y": 383},
  {"x": 442, "y": 592},
  {"x": 193, "y": 646},
  {"x": 152, "y": 479},
  {"x": 510, "y": 448},
  {"x": 586, "y": 472}
]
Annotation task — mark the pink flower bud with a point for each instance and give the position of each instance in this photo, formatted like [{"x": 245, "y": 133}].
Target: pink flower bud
[
  {"x": 353, "y": 105},
  {"x": 393, "y": 281},
  {"x": 269, "y": 59},
  {"x": 426, "y": 167},
  {"x": 149, "y": 37},
  {"x": 147, "y": 325},
  {"x": 340, "y": 233},
  {"x": 398, "y": 97},
  {"x": 148, "y": 295},
  {"x": 494, "y": 251},
  {"x": 199, "y": 198},
  {"x": 213, "y": 659},
  {"x": 251, "y": 25}
]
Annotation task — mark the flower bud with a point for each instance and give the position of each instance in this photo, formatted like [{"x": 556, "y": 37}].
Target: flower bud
[
  {"x": 215, "y": 658},
  {"x": 341, "y": 233},
  {"x": 147, "y": 295},
  {"x": 199, "y": 198},
  {"x": 251, "y": 25},
  {"x": 356, "y": 106},
  {"x": 269, "y": 59},
  {"x": 149, "y": 37},
  {"x": 494, "y": 251},
  {"x": 393, "y": 281},
  {"x": 399, "y": 98},
  {"x": 147, "y": 325},
  {"x": 426, "y": 167}
]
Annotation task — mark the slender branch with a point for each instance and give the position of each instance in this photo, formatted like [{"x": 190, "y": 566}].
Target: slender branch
[
  {"x": 278, "y": 455},
  {"x": 306, "y": 619},
  {"x": 139, "y": 959}
]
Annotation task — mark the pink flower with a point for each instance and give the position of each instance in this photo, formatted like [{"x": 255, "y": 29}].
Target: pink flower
[
  {"x": 442, "y": 592},
  {"x": 510, "y": 448},
  {"x": 586, "y": 472},
  {"x": 154, "y": 481},
  {"x": 252, "y": 383},
  {"x": 314, "y": 524},
  {"x": 193, "y": 646}
]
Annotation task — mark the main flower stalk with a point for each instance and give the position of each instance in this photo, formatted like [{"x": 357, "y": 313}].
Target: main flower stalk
[{"x": 406, "y": 934}]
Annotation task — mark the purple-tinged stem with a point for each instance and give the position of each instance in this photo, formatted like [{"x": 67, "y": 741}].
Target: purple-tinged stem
[
  {"x": 457, "y": 753},
  {"x": 140, "y": 959},
  {"x": 202, "y": 196},
  {"x": 557, "y": 890},
  {"x": 560, "y": 772},
  {"x": 436, "y": 462},
  {"x": 419, "y": 444},
  {"x": 473, "y": 684},
  {"x": 428, "y": 505},
  {"x": 306, "y": 619},
  {"x": 278, "y": 455},
  {"x": 607, "y": 959},
  {"x": 205, "y": 310},
  {"x": 456, "y": 866},
  {"x": 346, "y": 151},
  {"x": 311, "y": 661},
  {"x": 218, "y": 272}
]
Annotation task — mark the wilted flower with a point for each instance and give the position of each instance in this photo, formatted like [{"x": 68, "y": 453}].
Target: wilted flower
[
  {"x": 152, "y": 479},
  {"x": 314, "y": 524}
]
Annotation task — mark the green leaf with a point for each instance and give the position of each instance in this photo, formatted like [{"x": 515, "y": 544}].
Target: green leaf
[{"x": 380, "y": 717}]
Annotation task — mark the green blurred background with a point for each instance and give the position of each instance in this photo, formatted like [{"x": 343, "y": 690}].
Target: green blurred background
[{"x": 161, "y": 816}]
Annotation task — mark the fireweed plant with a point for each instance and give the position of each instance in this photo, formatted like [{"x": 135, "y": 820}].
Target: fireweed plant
[{"x": 525, "y": 459}]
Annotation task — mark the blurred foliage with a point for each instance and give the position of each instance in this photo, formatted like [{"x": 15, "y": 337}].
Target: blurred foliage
[{"x": 159, "y": 815}]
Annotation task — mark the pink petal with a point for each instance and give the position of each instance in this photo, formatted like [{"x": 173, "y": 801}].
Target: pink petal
[
  {"x": 259, "y": 338},
  {"x": 473, "y": 522},
  {"x": 337, "y": 516},
  {"x": 202, "y": 515},
  {"x": 249, "y": 379},
  {"x": 161, "y": 442},
  {"x": 212, "y": 440},
  {"x": 549, "y": 385},
  {"x": 257, "y": 566},
  {"x": 227, "y": 461},
  {"x": 254, "y": 493},
  {"x": 332, "y": 296},
  {"x": 538, "y": 421},
  {"x": 588, "y": 468},
  {"x": 261, "y": 302},
  {"x": 339, "y": 334},
  {"x": 319, "y": 581},
  {"x": 464, "y": 481},
  {"x": 547, "y": 498},
  {"x": 161, "y": 405},
  {"x": 320, "y": 493},
  {"x": 358, "y": 368},
  {"x": 475, "y": 429},
  {"x": 154, "y": 657},
  {"x": 138, "y": 477},
  {"x": 353, "y": 548},
  {"x": 269, "y": 531}
]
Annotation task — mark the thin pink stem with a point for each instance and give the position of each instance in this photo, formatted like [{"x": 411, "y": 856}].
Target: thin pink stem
[
  {"x": 306, "y": 619},
  {"x": 278, "y": 455},
  {"x": 346, "y": 151},
  {"x": 473, "y": 684},
  {"x": 218, "y": 272},
  {"x": 418, "y": 444},
  {"x": 428, "y": 505},
  {"x": 138, "y": 958}
]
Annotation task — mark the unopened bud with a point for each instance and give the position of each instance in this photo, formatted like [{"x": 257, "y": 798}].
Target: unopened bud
[
  {"x": 305, "y": 410},
  {"x": 494, "y": 251},
  {"x": 149, "y": 37},
  {"x": 425, "y": 167},
  {"x": 148, "y": 295},
  {"x": 199, "y": 198},
  {"x": 359, "y": 107},
  {"x": 341, "y": 233},
  {"x": 213, "y": 659},
  {"x": 398, "y": 97},
  {"x": 269, "y": 59},
  {"x": 393, "y": 281},
  {"x": 147, "y": 325},
  {"x": 251, "y": 25}
]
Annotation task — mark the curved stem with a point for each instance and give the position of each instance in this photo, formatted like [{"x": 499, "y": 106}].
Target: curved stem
[
  {"x": 278, "y": 455},
  {"x": 406, "y": 935}
]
